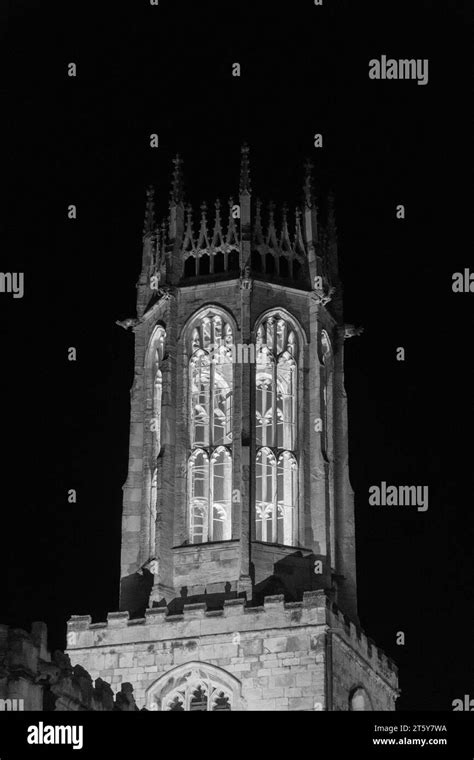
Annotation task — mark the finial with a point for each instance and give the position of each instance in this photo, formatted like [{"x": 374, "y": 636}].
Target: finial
[
  {"x": 177, "y": 181},
  {"x": 149, "y": 221},
  {"x": 155, "y": 249},
  {"x": 271, "y": 212},
  {"x": 163, "y": 236},
  {"x": 217, "y": 239},
  {"x": 217, "y": 218},
  {"x": 331, "y": 212},
  {"x": 232, "y": 237},
  {"x": 298, "y": 238},
  {"x": 257, "y": 229},
  {"x": 308, "y": 183},
  {"x": 203, "y": 241},
  {"x": 245, "y": 183},
  {"x": 285, "y": 242}
]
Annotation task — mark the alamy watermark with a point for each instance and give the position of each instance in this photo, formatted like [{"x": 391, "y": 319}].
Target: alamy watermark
[
  {"x": 399, "y": 496},
  {"x": 45, "y": 734},
  {"x": 405, "y": 68},
  {"x": 12, "y": 705},
  {"x": 466, "y": 704},
  {"x": 240, "y": 353},
  {"x": 463, "y": 282},
  {"x": 12, "y": 282}
]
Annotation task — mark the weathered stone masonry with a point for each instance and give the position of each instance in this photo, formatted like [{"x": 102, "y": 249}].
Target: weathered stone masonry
[
  {"x": 279, "y": 653},
  {"x": 31, "y": 678}
]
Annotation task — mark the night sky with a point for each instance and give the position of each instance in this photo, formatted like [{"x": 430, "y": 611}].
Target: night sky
[{"x": 167, "y": 70}]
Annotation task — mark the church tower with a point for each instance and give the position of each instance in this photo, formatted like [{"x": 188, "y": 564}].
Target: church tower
[{"x": 238, "y": 577}]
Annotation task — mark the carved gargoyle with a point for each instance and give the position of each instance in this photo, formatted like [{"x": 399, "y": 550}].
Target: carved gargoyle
[
  {"x": 166, "y": 293},
  {"x": 127, "y": 323},
  {"x": 324, "y": 298},
  {"x": 350, "y": 331}
]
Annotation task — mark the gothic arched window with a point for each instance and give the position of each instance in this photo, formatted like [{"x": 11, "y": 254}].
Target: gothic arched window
[
  {"x": 154, "y": 359},
  {"x": 276, "y": 432},
  {"x": 153, "y": 496},
  {"x": 210, "y": 458},
  {"x": 154, "y": 383},
  {"x": 327, "y": 385},
  {"x": 326, "y": 355},
  {"x": 359, "y": 700},
  {"x": 157, "y": 392},
  {"x": 195, "y": 687}
]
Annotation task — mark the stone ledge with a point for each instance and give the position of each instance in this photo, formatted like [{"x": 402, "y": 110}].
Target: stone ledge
[
  {"x": 195, "y": 621},
  {"x": 205, "y": 548}
]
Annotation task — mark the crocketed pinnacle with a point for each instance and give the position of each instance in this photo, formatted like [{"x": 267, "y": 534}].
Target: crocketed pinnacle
[
  {"x": 176, "y": 194},
  {"x": 308, "y": 184},
  {"x": 245, "y": 182},
  {"x": 149, "y": 221}
]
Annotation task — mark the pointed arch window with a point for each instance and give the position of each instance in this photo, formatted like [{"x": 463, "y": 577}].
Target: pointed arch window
[
  {"x": 153, "y": 496},
  {"x": 156, "y": 355},
  {"x": 327, "y": 383},
  {"x": 157, "y": 395},
  {"x": 154, "y": 386},
  {"x": 210, "y": 458},
  {"x": 326, "y": 355},
  {"x": 195, "y": 687},
  {"x": 359, "y": 700},
  {"x": 276, "y": 432}
]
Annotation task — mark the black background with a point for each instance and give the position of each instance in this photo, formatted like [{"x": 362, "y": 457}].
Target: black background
[{"x": 167, "y": 69}]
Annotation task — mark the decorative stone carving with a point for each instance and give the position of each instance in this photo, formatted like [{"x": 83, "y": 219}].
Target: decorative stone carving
[{"x": 350, "y": 331}]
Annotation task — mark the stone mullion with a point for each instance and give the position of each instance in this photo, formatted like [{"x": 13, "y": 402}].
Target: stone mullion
[
  {"x": 274, "y": 446},
  {"x": 210, "y": 490},
  {"x": 244, "y": 430}
]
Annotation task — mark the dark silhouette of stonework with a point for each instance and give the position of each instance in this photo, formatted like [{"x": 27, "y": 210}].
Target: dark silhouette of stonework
[
  {"x": 238, "y": 585},
  {"x": 31, "y": 678}
]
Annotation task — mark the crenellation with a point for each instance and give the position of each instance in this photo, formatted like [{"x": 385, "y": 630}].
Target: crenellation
[
  {"x": 117, "y": 619},
  {"x": 271, "y": 646},
  {"x": 194, "y": 611},
  {"x": 233, "y": 607},
  {"x": 79, "y": 622}
]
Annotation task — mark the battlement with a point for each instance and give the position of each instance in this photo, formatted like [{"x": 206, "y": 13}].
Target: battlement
[{"x": 315, "y": 611}]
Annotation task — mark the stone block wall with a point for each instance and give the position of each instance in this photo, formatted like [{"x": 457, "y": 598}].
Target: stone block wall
[{"x": 277, "y": 655}]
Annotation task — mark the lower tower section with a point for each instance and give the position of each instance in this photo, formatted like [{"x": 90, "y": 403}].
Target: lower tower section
[{"x": 304, "y": 656}]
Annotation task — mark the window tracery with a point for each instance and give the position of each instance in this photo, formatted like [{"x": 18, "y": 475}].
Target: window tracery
[
  {"x": 276, "y": 432},
  {"x": 211, "y": 418}
]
